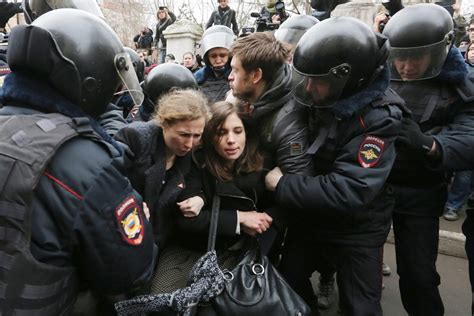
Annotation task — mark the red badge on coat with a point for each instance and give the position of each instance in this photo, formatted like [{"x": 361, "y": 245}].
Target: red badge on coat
[
  {"x": 370, "y": 151},
  {"x": 130, "y": 221}
]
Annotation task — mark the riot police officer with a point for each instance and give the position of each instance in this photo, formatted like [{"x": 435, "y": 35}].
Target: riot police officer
[
  {"x": 159, "y": 81},
  {"x": 212, "y": 78},
  {"x": 436, "y": 138},
  {"x": 69, "y": 218},
  {"x": 293, "y": 28},
  {"x": 345, "y": 207}
]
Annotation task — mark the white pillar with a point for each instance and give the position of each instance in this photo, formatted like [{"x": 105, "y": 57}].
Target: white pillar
[{"x": 181, "y": 37}]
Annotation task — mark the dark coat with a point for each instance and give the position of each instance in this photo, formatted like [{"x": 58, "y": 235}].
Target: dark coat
[
  {"x": 146, "y": 168},
  {"x": 144, "y": 40},
  {"x": 347, "y": 202},
  {"x": 421, "y": 183},
  {"x": 161, "y": 27},
  {"x": 74, "y": 206},
  {"x": 282, "y": 126},
  {"x": 225, "y": 17},
  {"x": 215, "y": 88},
  {"x": 245, "y": 192}
]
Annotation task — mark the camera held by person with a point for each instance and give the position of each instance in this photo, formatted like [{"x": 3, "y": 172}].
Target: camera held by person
[{"x": 271, "y": 15}]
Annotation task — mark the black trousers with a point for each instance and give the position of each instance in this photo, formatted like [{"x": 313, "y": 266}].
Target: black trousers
[
  {"x": 468, "y": 230},
  {"x": 416, "y": 246},
  {"x": 359, "y": 279}
]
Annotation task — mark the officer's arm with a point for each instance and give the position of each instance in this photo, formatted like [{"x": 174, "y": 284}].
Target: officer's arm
[
  {"x": 455, "y": 141},
  {"x": 116, "y": 250},
  {"x": 130, "y": 138},
  {"x": 112, "y": 120},
  {"x": 354, "y": 180}
]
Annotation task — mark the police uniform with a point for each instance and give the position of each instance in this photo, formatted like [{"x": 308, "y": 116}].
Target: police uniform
[
  {"x": 421, "y": 182},
  {"x": 83, "y": 226},
  {"x": 345, "y": 208}
]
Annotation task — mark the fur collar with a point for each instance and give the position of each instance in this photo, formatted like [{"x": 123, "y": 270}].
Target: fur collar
[
  {"x": 454, "y": 69},
  {"x": 32, "y": 92},
  {"x": 345, "y": 108}
]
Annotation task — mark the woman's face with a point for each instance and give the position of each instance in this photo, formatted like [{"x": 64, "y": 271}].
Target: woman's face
[
  {"x": 218, "y": 57},
  {"x": 229, "y": 142},
  {"x": 182, "y": 136},
  {"x": 188, "y": 60}
]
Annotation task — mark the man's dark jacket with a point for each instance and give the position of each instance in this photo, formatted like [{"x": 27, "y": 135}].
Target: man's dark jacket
[{"x": 226, "y": 17}]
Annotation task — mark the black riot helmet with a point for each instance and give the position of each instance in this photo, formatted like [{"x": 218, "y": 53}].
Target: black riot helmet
[
  {"x": 78, "y": 54},
  {"x": 165, "y": 77},
  {"x": 337, "y": 58},
  {"x": 293, "y": 28},
  {"x": 421, "y": 36},
  {"x": 33, "y": 9},
  {"x": 214, "y": 37}
]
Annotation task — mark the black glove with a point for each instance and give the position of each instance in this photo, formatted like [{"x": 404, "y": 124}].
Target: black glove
[
  {"x": 7, "y": 10},
  {"x": 413, "y": 138}
]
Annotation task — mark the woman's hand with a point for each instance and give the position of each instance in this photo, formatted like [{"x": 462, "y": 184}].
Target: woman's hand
[
  {"x": 253, "y": 222},
  {"x": 191, "y": 207}
]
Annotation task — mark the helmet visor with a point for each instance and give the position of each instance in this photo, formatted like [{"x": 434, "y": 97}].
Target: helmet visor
[
  {"x": 322, "y": 91},
  {"x": 290, "y": 36},
  {"x": 417, "y": 63},
  {"x": 128, "y": 77}
]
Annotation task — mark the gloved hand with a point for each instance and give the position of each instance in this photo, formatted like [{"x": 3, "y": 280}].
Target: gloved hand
[
  {"x": 413, "y": 138},
  {"x": 7, "y": 10}
]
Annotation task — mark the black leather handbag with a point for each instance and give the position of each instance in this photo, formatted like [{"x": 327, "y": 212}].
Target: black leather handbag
[{"x": 254, "y": 286}]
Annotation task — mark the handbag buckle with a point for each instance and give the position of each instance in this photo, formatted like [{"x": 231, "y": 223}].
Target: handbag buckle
[
  {"x": 258, "y": 269},
  {"x": 228, "y": 275}
]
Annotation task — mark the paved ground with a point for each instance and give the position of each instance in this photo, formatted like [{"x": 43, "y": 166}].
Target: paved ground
[
  {"x": 455, "y": 288},
  {"x": 453, "y": 226}
]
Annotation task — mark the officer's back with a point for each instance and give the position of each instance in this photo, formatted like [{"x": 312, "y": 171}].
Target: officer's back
[{"x": 69, "y": 219}]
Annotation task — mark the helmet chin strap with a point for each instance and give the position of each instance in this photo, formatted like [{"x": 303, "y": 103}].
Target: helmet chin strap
[{"x": 219, "y": 71}]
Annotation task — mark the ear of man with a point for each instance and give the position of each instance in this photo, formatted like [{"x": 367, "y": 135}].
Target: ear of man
[{"x": 257, "y": 76}]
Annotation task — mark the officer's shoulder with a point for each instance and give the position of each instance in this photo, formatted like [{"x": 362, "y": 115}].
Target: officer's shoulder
[
  {"x": 82, "y": 159},
  {"x": 389, "y": 103},
  {"x": 465, "y": 88}
]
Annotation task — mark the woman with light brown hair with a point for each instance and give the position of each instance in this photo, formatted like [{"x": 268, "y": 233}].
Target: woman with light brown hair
[{"x": 158, "y": 154}]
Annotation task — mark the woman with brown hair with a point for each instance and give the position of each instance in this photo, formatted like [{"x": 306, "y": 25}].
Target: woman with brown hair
[{"x": 229, "y": 165}]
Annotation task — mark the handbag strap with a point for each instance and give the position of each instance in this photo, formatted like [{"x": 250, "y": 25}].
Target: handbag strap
[{"x": 216, "y": 204}]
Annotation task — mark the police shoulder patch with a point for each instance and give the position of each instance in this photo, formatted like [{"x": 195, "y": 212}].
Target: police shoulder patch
[
  {"x": 296, "y": 148},
  {"x": 370, "y": 151},
  {"x": 130, "y": 221}
]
